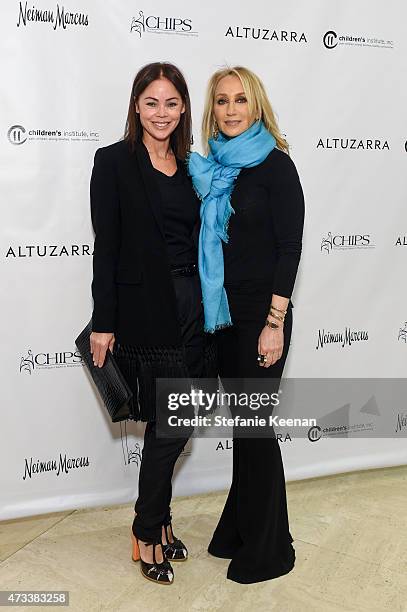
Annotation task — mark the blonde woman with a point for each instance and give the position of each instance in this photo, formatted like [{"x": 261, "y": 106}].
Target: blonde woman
[{"x": 252, "y": 211}]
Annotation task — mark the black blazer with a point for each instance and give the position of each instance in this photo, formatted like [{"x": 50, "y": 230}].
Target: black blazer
[{"x": 132, "y": 288}]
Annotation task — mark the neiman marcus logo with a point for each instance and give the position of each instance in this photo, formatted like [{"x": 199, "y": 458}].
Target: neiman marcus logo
[
  {"x": 345, "y": 338},
  {"x": 62, "y": 465}
]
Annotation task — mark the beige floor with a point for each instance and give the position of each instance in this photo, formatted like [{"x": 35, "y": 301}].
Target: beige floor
[{"x": 350, "y": 534}]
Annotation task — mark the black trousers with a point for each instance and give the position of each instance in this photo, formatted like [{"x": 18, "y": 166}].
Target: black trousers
[
  {"x": 160, "y": 454},
  {"x": 253, "y": 529}
]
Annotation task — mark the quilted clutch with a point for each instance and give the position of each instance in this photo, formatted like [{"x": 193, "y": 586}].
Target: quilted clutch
[{"x": 109, "y": 381}]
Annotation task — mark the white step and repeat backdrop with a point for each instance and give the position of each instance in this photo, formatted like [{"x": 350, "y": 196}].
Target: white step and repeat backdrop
[{"x": 335, "y": 73}]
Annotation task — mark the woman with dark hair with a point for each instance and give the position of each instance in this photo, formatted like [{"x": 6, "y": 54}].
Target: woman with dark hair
[
  {"x": 249, "y": 253},
  {"x": 146, "y": 289}
]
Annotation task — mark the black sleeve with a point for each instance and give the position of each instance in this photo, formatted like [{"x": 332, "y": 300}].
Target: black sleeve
[
  {"x": 288, "y": 219},
  {"x": 105, "y": 213},
  {"x": 195, "y": 233}
]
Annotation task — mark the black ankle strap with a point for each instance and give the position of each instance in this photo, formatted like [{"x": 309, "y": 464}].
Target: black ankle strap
[{"x": 162, "y": 550}]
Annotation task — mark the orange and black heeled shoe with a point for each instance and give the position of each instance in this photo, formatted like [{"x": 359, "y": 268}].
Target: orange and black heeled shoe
[{"x": 157, "y": 572}]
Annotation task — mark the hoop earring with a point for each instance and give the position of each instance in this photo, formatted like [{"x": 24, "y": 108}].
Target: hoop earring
[{"x": 215, "y": 131}]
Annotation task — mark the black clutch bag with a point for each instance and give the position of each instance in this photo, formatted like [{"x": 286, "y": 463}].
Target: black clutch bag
[{"x": 109, "y": 381}]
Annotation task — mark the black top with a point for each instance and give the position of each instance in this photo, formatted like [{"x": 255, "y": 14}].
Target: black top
[
  {"x": 265, "y": 233},
  {"x": 181, "y": 213}
]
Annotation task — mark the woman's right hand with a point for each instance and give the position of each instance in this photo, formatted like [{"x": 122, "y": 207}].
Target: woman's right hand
[{"x": 99, "y": 343}]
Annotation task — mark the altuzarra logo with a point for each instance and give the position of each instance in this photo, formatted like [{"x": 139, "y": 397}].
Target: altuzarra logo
[
  {"x": 59, "y": 18},
  {"x": 226, "y": 445},
  {"x": 52, "y": 465},
  {"x": 331, "y": 40},
  {"x": 402, "y": 337},
  {"x": 340, "y": 242},
  {"x": 48, "y": 361},
  {"x": 401, "y": 241},
  {"x": 355, "y": 144},
  {"x": 266, "y": 34},
  {"x": 343, "y": 338},
  {"x": 48, "y": 250},
  {"x": 161, "y": 25}
]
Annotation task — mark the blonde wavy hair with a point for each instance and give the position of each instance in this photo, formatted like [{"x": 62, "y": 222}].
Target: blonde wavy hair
[{"x": 257, "y": 100}]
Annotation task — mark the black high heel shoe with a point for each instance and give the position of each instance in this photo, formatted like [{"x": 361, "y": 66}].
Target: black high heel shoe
[
  {"x": 157, "y": 572},
  {"x": 176, "y": 550}
]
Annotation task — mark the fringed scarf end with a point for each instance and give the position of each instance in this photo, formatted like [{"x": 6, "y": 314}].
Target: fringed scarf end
[{"x": 212, "y": 330}]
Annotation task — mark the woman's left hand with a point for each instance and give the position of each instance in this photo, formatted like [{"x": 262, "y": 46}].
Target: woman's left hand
[{"x": 271, "y": 344}]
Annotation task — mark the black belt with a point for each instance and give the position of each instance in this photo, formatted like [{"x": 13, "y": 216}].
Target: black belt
[{"x": 187, "y": 270}]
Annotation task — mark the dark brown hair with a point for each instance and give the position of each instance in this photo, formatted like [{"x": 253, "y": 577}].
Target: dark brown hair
[{"x": 181, "y": 136}]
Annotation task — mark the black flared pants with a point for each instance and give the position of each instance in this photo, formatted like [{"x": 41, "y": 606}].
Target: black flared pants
[{"x": 253, "y": 529}]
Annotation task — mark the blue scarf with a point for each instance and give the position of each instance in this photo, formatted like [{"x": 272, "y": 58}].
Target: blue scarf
[{"x": 213, "y": 178}]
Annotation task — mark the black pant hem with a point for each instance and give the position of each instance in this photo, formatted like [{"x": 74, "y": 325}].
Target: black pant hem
[{"x": 247, "y": 578}]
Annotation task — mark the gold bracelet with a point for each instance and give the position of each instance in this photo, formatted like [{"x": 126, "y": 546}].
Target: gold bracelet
[
  {"x": 276, "y": 316},
  {"x": 272, "y": 324},
  {"x": 278, "y": 310}
]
